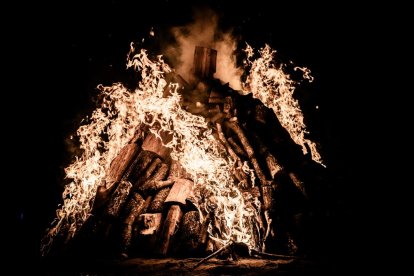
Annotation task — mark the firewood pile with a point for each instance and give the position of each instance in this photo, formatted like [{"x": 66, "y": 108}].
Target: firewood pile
[{"x": 146, "y": 207}]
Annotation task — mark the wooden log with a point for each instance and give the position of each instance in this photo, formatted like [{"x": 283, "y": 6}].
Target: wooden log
[
  {"x": 153, "y": 185},
  {"x": 157, "y": 203},
  {"x": 177, "y": 171},
  {"x": 156, "y": 182},
  {"x": 146, "y": 232},
  {"x": 267, "y": 197},
  {"x": 272, "y": 163},
  {"x": 120, "y": 163},
  {"x": 298, "y": 183},
  {"x": 102, "y": 196},
  {"x": 235, "y": 127},
  {"x": 155, "y": 144},
  {"x": 181, "y": 189},
  {"x": 218, "y": 117},
  {"x": 152, "y": 168},
  {"x": 118, "y": 199},
  {"x": 135, "y": 207},
  {"x": 236, "y": 147},
  {"x": 190, "y": 230},
  {"x": 203, "y": 234},
  {"x": 170, "y": 227},
  {"x": 240, "y": 175},
  {"x": 148, "y": 160},
  {"x": 139, "y": 167},
  {"x": 210, "y": 247},
  {"x": 148, "y": 174},
  {"x": 120, "y": 166},
  {"x": 274, "y": 166},
  {"x": 266, "y": 188}
]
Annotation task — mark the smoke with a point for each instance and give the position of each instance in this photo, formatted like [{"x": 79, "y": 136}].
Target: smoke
[{"x": 204, "y": 31}]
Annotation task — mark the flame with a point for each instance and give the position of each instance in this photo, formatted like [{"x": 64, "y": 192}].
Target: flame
[
  {"x": 121, "y": 111},
  {"x": 270, "y": 84},
  {"x": 113, "y": 124}
]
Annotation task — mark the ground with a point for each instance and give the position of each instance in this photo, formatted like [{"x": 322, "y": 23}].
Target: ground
[{"x": 173, "y": 266}]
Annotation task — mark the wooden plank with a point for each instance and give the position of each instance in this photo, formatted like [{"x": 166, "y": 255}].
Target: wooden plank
[
  {"x": 204, "y": 62},
  {"x": 170, "y": 228}
]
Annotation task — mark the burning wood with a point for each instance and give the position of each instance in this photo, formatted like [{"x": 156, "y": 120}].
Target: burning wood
[
  {"x": 147, "y": 187},
  {"x": 157, "y": 204},
  {"x": 177, "y": 198}
]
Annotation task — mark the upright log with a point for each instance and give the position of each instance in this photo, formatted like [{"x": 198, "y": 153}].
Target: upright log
[
  {"x": 170, "y": 227},
  {"x": 204, "y": 62},
  {"x": 177, "y": 196},
  {"x": 190, "y": 230},
  {"x": 135, "y": 207}
]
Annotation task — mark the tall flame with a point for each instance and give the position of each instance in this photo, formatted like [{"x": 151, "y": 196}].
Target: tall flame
[
  {"x": 121, "y": 111},
  {"x": 269, "y": 83}
]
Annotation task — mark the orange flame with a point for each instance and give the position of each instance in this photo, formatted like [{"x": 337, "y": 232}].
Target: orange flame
[
  {"x": 122, "y": 111},
  {"x": 113, "y": 124},
  {"x": 269, "y": 83}
]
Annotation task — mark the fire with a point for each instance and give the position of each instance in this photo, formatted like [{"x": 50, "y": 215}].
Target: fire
[
  {"x": 193, "y": 144},
  {"x": 269, "y": 83},
  {"x": 114, "y": 123}
]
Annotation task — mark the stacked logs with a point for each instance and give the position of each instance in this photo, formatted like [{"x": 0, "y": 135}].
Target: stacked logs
[
  {"x": 144, "y": 198},
  {"x": 144, "y": 206}
]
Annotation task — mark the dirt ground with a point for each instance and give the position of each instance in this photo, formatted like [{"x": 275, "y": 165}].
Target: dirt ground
[{"x": 173, "y": 266}]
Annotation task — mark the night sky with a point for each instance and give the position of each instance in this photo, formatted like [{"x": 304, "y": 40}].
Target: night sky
[{"x": 60, "y": 53}]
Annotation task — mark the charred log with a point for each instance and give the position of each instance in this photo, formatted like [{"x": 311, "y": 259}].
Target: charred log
[
  {"x": 157, "y": 204},
  {"x": 190, "y": 242}
]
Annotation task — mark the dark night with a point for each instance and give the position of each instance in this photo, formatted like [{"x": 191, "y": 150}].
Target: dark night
[{"x": 210, "y": 137}]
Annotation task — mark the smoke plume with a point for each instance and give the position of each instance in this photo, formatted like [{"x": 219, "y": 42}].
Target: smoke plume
[{"x": 204, "y": 31}]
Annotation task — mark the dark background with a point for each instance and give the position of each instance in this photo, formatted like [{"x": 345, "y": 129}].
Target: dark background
[{"x": 59, "y": 53}]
